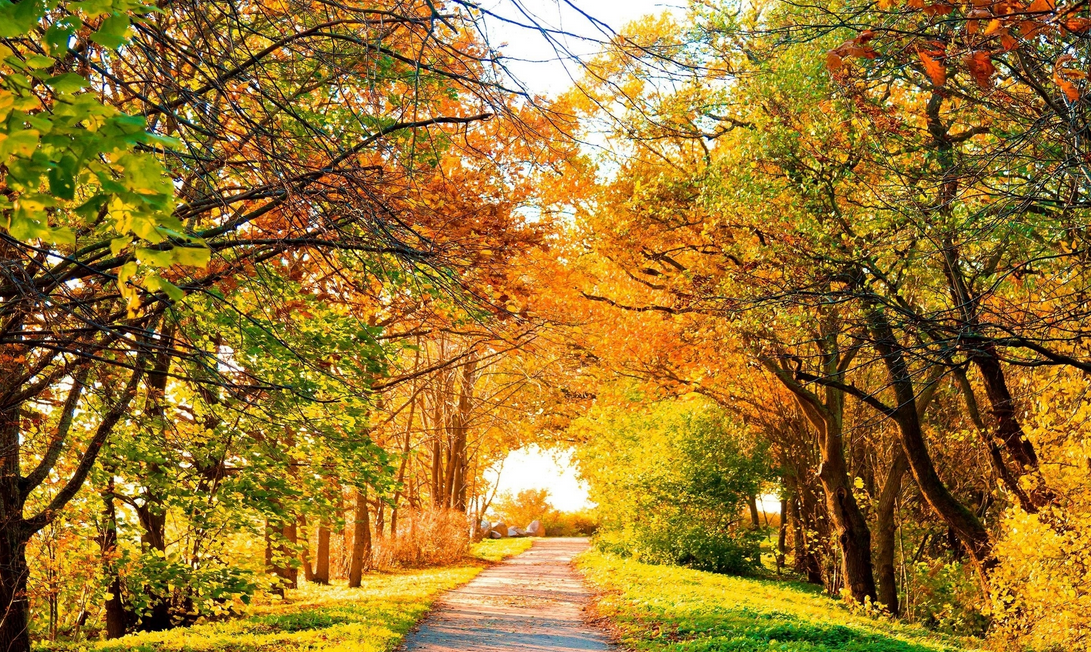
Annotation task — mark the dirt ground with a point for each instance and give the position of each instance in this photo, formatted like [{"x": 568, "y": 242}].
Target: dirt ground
[{"x": 533, "y": 602}]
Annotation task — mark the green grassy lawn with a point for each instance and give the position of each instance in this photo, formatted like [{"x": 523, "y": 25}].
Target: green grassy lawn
[
  {"x": 680, "y": 610},
  {"x": 372, "y": 618}
]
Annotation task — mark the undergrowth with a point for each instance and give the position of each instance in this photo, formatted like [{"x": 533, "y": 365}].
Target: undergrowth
[{"x": 335, "y": 618}]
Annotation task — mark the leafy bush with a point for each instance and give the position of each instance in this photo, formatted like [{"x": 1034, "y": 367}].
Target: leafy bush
[
  {"x": 672, "y": 479},
  {"x": 571, "y": 524}
]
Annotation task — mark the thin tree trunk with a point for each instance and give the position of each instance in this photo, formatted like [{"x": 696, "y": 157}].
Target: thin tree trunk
[
  {"x": 361, "y": 540},
  {"x": 885, "y": 531},
  {"x": 117, "y": 616},
  {"x": 305, "y": 550},
  {"x": 782, "y": 535}
]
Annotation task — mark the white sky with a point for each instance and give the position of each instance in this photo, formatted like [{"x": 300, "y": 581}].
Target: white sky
[
  {"x": 533, "y": 468},
  {"x": 539, "y": 67}
]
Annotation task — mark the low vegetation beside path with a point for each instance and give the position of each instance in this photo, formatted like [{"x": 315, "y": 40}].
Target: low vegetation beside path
[
  {"x": 372, "y": 618},
  {"x": 668, "y": 608}
]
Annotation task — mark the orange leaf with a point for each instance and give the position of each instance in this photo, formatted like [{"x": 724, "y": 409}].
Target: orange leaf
[
  {"x": 981, "y": 68},
  {"x": 936, "y": 71},
  {"x": 938, "y": 9},
  {"x": 1063, "y": 77},
  {"x": 833, "y": 61},
  {"x": 1078, "y": 25}
]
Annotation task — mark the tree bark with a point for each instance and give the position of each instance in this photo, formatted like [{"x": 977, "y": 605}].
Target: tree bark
[
  {"x": 361, "y": 540},
  {"x": 960, "y": 519},
  {"x": 755, "y": 519},
  {"x": 885, "y": 528},
  {"x": 322, "y": 563},
  {"x": 305, "y": 550},
  {"x": 118, "y": 617},
  {"x": 14, "y": 635}
]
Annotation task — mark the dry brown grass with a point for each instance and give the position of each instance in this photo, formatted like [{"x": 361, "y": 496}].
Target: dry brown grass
[{"x": 424, "y": 538}]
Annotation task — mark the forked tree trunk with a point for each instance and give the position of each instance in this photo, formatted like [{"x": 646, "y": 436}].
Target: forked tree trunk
[
  {"x": 361, "y": 540},
  {"x": 957, "y": 516}
]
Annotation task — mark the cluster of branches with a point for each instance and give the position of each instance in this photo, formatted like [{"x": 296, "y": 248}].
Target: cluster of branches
[{"x": 891, "y": 243}]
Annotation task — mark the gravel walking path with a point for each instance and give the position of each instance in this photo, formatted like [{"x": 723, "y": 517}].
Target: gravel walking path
[{"x": 532, "y": 602}]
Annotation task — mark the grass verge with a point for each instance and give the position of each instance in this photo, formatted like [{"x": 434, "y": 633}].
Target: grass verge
[
  {"x": 664, "y": 608},
  {"x": 372, "y": 618},
  {"x": 498, "y": 549}
]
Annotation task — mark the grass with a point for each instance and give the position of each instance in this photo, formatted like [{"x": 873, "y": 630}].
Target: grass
[
  {"x": 664, "y": 608},
  {"x": 372, "y": 618},
  {"x": 497, "y": 549}
]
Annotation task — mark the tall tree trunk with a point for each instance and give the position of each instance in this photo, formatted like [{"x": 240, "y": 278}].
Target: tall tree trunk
[
  {"x": 956, "y": 515},
  {"x": 118, "y": 617},
  {"x": 782, "y": 535},
  {"x": 805, "y": 560},
  {"x": 14, "y": 634},
  {"x": 885, "y": 531},
  {"x": 361, "y": 540},
  {"x": 289, "y": 571},
  {"x": 755, "y": 518},
  {"x": 153, "y": 520},
  {"x": 399, "y": 484},
  {"x": 305, "y": 550},
  {"x": 322, "y": 563}
]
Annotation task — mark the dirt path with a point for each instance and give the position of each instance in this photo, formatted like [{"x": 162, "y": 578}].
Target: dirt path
[{"x": 530, "y": 603}]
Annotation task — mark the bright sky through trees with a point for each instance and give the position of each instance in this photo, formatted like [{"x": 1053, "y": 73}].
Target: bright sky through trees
[{"x": 538, "y": 63}]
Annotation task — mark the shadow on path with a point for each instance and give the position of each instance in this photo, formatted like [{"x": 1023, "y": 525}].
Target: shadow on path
[{"x": 530, "y": 603}]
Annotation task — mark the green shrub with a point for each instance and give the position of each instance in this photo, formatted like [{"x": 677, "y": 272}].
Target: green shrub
[{"x": 671, "y": 480}]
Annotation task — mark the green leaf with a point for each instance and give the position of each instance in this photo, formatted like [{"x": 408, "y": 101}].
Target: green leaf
[
  {"x": 19, "y": 143},
  {"x": 67, "y": 83},
  {"x": 38, "y": 61},
  {"x": 19, "y": 19},
  {"x": 193, "y": 256},
  {"x": 60, "y": 235},
  {"x": 62, "y": 179},
  {"x": 92, "y": 8},
  {"x": 59, "y": 34},
  {"x": 158, "y": 283},
  {"x": 117, "y": 245},
  {"x": 111, "y": 34},
  {"x": 155, "y": 257}
]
